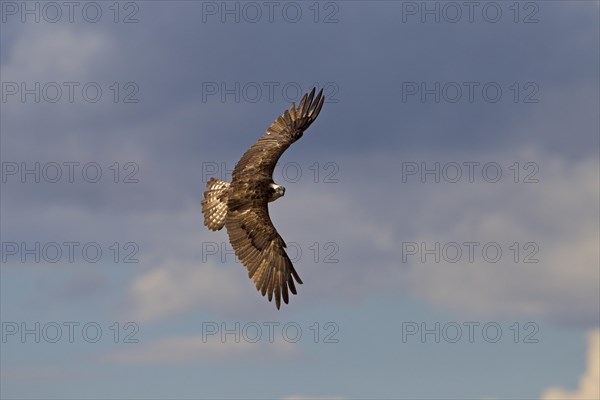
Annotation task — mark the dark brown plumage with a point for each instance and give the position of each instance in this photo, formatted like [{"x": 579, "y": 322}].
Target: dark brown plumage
[{"x": 242, "y": 205}]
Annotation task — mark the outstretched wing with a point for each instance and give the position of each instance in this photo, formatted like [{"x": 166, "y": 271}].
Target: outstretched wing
[
  {"x": 259, "y": 161},
  {"x": 262, "y": 251},
  {"x": 253, "y": 237}
]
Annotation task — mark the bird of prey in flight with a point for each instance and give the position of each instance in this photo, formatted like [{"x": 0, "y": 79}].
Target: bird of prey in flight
[{"x": 242, "y": 205}]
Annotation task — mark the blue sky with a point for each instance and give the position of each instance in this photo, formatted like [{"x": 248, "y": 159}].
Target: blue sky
[{"x": 442, "y": 211}]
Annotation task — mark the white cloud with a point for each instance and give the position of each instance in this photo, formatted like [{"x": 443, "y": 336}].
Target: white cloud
[
  {"x": 559, "y": 214},
  {"x": 185, "y": 281},
  {"x": 55, "y": 53},
  {"x": 175, "y": 286},
  {"x": 589, "y": 384}
]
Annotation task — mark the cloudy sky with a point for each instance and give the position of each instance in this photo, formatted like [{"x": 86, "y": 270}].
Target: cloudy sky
[{"x": 443, "y": 211}]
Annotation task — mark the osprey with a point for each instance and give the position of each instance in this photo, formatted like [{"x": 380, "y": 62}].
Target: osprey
[{"x": 242, "y": 205}]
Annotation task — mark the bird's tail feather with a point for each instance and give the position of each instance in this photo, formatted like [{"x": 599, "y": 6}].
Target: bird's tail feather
[{"x": 214, "y": 205}]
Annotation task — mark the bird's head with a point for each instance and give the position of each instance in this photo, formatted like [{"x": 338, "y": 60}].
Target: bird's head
[{"x": 276, "y": 191}]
